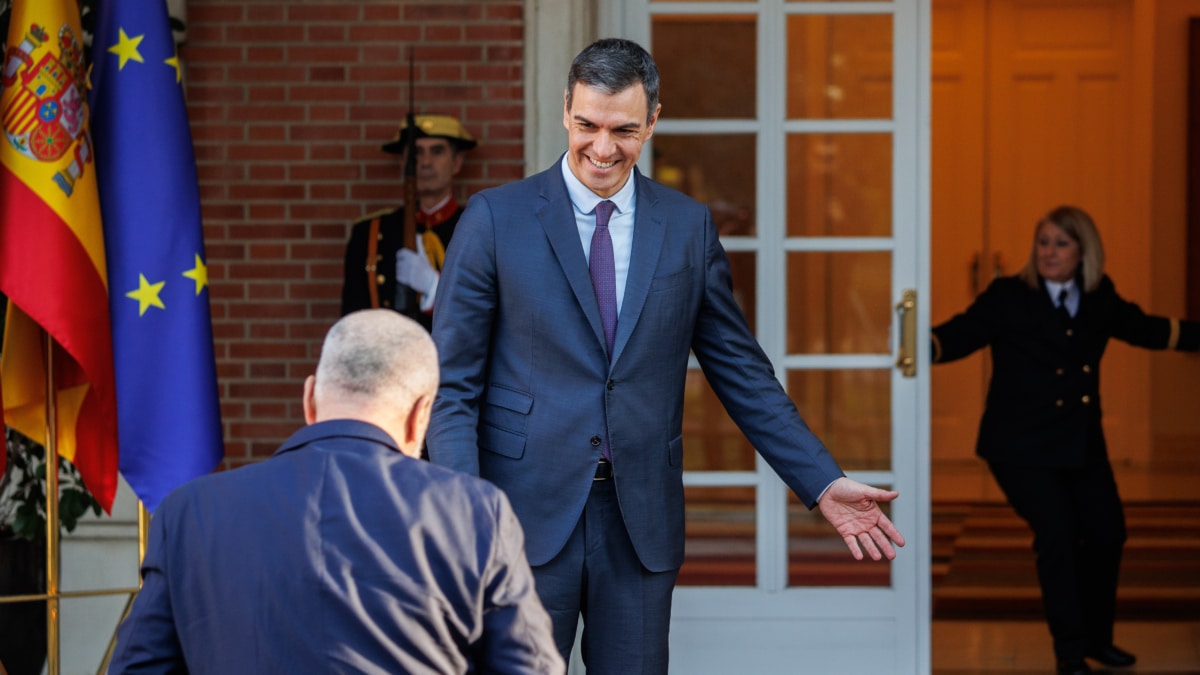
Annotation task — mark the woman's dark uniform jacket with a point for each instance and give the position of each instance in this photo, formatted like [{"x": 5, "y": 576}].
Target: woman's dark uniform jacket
[
  {"x": 355, "y": 289},
  {"x": 1043, "y": 402}
]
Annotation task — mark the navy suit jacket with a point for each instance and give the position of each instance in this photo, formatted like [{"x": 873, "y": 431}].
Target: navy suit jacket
[
  {"x": 338, "y": 554},
  {"x": 528, "y": 390}
]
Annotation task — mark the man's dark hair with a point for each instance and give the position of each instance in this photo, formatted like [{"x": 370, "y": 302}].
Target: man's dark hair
[{"x": 612, "y": 65}]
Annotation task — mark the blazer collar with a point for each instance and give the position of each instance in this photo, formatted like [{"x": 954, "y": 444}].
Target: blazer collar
[{"x": 345, "y": 428}]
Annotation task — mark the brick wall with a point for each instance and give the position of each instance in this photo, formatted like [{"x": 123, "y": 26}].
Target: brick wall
[{"x": 289, "y": 103}]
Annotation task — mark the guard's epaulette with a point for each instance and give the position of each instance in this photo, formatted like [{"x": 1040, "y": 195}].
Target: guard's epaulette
[{"x": 379, "y": 214}]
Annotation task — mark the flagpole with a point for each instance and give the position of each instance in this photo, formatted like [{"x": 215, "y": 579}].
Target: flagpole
[{"x": 52, "y": 542}]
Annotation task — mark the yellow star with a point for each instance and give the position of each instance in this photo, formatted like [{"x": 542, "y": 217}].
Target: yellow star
[
  {"x": 174, "y": 63},
  {"x": 127, "y": 48},
  {"x": 199, "y": 274},
  {"x": 147, "y": 295}
]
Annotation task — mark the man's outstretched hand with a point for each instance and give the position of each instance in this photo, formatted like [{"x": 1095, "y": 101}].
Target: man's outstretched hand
[{"x": 853, "y": 510}]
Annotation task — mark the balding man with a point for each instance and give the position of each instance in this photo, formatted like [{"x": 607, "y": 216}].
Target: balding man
[{"x": 342, "y": 552}]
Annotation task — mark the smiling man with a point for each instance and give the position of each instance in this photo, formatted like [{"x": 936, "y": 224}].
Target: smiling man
[{"x": 567, "y": 309}]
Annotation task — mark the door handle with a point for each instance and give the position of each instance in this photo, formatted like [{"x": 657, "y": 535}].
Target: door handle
[
  {"x": 907, "y": 309},
  {"x": 974, "y": 281}
]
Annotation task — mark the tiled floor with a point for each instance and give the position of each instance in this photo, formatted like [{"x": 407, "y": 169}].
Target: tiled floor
[{"x": 969, "y": 647}]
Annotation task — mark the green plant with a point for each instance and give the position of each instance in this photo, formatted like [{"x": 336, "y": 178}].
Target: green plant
[{"x": 23, "y": 491}]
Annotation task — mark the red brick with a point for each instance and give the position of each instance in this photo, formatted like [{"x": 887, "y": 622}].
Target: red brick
[
  {"x": 327, "y": 113},
  {"x": 402, "y": 33},
  {"x": 323, "y": 54},
  {"x": 267, "y": 212},
  {"x": 495, "y": 32},
  {"x": 200, "y": 13},
  {"x": 213, "y": 54},
  {"x": 437, "y": 33},
  {"x": 339, "y": 172},
  {"x": 323, "y": 13},
  {"x": 336, "y": 192},
  {"x": 511, "y": 11},
  {"x": 264, "y": 252},
  {"x": 326, "y": 152},
  {"x": 327, "y": 74},
  {"x": 258, "y": 191},
  {"x": 254, "y": 33},
  {"x": 259, "y": 172},
  {"x": 443, "y": 12},
  {"x": 323, "y": 33},
  {"x": 265, "y": 54},
  {"x": 268, "y": 331},
  {"x": 256, "y": 74},
  {"x": 264, "y": 13}
]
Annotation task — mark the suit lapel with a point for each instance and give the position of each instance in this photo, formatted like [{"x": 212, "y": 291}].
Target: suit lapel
[
  {"x": 648, "y": 231},
  {"x": 557, "y": 217}
]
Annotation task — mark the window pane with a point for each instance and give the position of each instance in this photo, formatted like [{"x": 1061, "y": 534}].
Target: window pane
[
  {"x": 839, "y": 303},
  {"x": 839, "y": 66},
  {"x": 817, "y": 556},
  {"x": 707, "y": 65},
  {"x": 850, "y": 411},
  {"x": 719, "y": 540},
  {"x": 839, "y": 185},
  {"x": 716, "y": 169},
  {"x": 711, "y": 440}
]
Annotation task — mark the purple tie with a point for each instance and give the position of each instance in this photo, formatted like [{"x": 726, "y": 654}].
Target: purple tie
[
  {"x": 604, "y": 281},
  {"x": 603, "y": 271}
]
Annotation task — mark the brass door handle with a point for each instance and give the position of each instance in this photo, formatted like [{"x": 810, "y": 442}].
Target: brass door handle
[{"x": 907, "y": 309}]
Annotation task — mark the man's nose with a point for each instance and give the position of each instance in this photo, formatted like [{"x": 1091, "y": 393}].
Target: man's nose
[{"x": 604, "y": 145}]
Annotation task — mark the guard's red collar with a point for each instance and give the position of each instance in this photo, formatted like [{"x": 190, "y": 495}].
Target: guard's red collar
[{"x": 441, "y": 215}]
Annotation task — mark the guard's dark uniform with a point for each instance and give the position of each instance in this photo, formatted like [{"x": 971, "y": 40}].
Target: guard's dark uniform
[
  {"x": 435, "y": 231},
  {"x": 1042, "y": 437},
  {"x": 368, "y": 270}
]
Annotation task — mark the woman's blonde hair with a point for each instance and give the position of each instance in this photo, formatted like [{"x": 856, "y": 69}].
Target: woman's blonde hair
[{"x": 1079, "y": 226}]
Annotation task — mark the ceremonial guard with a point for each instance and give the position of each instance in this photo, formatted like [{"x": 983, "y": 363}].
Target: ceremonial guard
[{"x": 394, "y": 257}]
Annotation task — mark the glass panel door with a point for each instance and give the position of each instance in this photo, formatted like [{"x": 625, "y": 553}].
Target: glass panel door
[{"x": 800, "y": 124}]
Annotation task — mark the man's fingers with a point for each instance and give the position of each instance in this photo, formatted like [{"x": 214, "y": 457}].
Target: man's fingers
[{"x": 852, "y": 544}]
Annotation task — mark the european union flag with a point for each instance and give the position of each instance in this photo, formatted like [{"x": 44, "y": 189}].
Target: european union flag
[{"x": 167, "y": 413}]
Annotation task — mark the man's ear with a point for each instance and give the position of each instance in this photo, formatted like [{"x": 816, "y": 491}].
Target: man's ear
[
  {"x": 309, "y": 400},
  {"x": 416, "y": 424}
]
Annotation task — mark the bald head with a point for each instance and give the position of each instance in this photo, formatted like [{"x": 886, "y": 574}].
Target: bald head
[{"x": 377, "y": 366}]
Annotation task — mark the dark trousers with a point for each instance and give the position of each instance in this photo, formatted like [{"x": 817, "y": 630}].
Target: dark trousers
[
  {"x": 1078, "y": 533},
  {"x": 626, "y": 609}
]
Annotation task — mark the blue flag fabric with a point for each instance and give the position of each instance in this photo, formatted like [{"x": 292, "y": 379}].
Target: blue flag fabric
[{"x": 167, "y": 408}]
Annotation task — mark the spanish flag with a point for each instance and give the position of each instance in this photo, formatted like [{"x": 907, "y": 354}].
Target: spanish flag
[{"x": 52, "y": 258}]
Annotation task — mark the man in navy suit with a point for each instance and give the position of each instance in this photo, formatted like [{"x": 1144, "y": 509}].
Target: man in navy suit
[
  {"x": 579, "y": 420},
  {"x": 342, "y": 552}
]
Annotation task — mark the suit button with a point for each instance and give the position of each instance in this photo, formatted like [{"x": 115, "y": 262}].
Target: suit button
[
  {"x": 1086, "y": 399},
  {"x": 1058, "y": 371},
  {"x": 1059, "y": 403},
  {"x": 595, "y": 440},
  {"x": 1070, "y": 332},
  {"x": 379, "y": 279},
  {"x": 1087, "y": 368},
  {"x": 612, "y": 385}
]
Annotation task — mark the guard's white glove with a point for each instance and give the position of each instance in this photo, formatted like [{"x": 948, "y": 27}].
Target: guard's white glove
[{"x": 413, "y": 270}]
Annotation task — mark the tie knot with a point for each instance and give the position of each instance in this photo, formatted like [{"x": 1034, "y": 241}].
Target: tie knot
[
  {"x": 1062, "y": 297},
  {"x": 604, "y": 211}
]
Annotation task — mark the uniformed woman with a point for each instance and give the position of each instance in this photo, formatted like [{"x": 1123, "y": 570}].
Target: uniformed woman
[{"x": 1041, "y": 433}]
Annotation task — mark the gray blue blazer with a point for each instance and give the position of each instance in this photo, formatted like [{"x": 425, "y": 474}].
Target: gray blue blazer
[{"x": 528, "y": 391}]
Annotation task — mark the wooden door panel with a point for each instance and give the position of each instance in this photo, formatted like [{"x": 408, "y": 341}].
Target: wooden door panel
[
  {"x": 1032, "y": 107},
  {"x": 957, "y": 243}
]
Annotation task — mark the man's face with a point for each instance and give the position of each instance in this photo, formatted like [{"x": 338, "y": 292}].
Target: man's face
[
  {"x": 437, "y": 165},
  {"x": 605, "y": 134}
]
